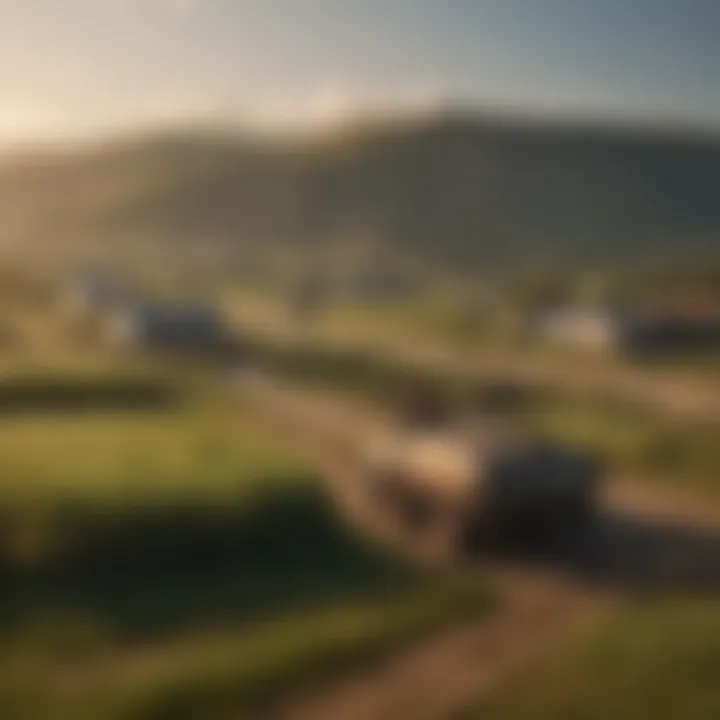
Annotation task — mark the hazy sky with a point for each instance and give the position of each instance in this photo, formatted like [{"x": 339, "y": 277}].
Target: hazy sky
[{"x": 80, "y": 66}]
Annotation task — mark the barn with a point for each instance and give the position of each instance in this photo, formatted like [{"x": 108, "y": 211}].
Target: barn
[
  {"x": 670, "y": 328},
  {"x": 596, "y": 329},
  {"x": 636, "y": 330},
  {"x": 171, "y": 326}
]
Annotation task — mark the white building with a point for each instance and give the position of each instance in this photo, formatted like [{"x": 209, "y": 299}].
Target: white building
[{"x": 591, "y": 329}]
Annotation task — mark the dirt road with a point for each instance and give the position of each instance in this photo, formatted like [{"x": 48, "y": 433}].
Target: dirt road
[
  {"x": 643, "y": 540},
  {"x": 444, "y": 673}
]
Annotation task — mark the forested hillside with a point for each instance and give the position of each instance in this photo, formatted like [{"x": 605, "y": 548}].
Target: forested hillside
[{"x": 454, "y": 189}]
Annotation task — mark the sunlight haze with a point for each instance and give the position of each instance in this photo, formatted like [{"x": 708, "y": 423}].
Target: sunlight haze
[{"x": 76, "y": 67}]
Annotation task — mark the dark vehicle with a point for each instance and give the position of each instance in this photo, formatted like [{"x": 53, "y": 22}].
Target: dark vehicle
[{"x": 481, "y": 481}]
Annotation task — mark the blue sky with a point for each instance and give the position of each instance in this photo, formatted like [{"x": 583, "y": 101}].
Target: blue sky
[{"x": 76, "y": 67}]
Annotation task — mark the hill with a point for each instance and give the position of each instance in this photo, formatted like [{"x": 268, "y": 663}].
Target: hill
[{"x": 454, "y": 189}]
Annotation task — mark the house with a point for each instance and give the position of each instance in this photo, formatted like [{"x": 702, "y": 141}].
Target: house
[
  {"x": 184, "y": 327},
  {"x": 671, "y": 327},
  {"x": 594, "y": 329},
  {"x": 635, "y": 330}
]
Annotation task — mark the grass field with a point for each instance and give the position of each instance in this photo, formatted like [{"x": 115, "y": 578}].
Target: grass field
[
  {"x": 657, "y": 661},
  {"x": 436, "y": 321},
  {"x": 163, "y": 554},
  {"x": 636, "y": 441},
  {"x": 637, "y": 444}
]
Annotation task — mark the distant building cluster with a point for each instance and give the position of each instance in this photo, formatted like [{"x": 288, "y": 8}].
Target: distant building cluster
[
  {"x": 648, "y": 329},
  {"x": 127, "y": 319},
  {"x": 178, "y": 326},
  {"x": 594, "y": 329}
]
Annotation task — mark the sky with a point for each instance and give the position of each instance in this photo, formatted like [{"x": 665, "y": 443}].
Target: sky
[{"x": 75, "y": 68}]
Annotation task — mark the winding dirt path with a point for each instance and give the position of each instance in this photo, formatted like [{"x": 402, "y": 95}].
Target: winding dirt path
[
  {"x": 444, "y": 673},
  {"x": 644, "y": 539}
]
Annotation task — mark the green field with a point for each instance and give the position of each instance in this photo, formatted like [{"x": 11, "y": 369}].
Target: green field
[
  {"x": 657, "y": 661},
  {"x": 636, "y": 442},
  {"x": 164, "y": 554}
]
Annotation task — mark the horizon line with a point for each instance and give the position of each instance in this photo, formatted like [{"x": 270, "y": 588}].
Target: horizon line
[{"x": 243, "y": 128}]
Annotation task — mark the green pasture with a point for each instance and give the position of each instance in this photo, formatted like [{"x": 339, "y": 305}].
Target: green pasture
[
  {"x": 656, "y": 661},
  {"x": 164, "y": 554}
]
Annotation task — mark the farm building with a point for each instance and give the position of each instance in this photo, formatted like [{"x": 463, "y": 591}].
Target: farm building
[
  {"x": 674, "y": 327},
  {"x": 172, "y": 326},
  {"x": 661, "y": 329},
  {"x": 595, "y": 329}
]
